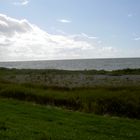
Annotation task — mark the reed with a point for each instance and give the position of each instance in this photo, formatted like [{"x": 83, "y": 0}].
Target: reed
[{"x": 119, "y": 101}]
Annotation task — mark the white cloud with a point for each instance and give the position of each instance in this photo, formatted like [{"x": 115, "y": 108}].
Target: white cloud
[
  {"x": 21, "y": 2},
  {"x": 90, "y": 37},
  {"x": 130, "y": 15},
  {"x": 137, "y": 38},
  {"x": 64, "y": 21},
  {"x": 21, "y": 40}
]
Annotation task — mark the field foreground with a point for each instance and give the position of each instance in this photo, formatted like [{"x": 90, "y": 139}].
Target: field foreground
[
  {"x": 114, "y": 93},
  {"x": 29, "y": 101},
  {"x": 28, "y": 121}
]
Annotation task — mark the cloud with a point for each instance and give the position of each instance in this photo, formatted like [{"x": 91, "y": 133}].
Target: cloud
[
  {"x": 130, "y": 15},
  {"x": 21, "y": 2},
  {"x": 64, "y": 21},
  {"x": 21, "y": 40},
  {"x": 10, "y": 26},
  {"x": 137, "y": 38}
]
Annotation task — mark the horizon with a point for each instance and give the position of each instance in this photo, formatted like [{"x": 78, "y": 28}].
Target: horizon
[
  {"x": 69, "y": 59},
  {"x": 68, "y": 30}
]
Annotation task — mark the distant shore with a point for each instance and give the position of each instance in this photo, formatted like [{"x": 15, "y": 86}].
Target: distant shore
[{"x": 76, "y": 64}]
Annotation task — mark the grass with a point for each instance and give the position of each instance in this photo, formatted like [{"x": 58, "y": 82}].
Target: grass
[
  {"x": 29, "y": 109},
  {"x": 4, "y": 71},
  {"x": 116, "y": 101},
  {"x": 22, "y": 121},
  {"x": 121, "y": 100}
]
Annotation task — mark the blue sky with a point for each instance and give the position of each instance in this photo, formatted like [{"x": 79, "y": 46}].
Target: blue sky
[{"x": 108, "y": 24}]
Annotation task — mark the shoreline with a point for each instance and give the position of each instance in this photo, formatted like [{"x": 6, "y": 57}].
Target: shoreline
[{"x": 76, "y": 64}]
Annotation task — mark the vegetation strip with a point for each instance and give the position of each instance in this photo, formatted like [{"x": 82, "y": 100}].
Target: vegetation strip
[
  {"x": 116, "y": 95},
  {"x": 123, "y": 101}
]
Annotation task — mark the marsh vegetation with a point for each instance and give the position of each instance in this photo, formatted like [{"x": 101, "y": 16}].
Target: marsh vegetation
[{"x": 35, "y": 104}]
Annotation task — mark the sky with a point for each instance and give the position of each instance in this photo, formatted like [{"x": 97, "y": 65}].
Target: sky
[{"x": 69, "y": 29}]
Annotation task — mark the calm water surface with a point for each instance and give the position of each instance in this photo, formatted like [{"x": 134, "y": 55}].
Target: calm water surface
[{"x": 81, "y": 64}]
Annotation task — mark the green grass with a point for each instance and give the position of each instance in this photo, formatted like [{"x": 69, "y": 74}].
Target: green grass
[
  {"x": 28, "y": 121},
  {"x": 29, "y": 111},
  {"x": 116, "y": 101},
  {"x": 4, "y": 71}
]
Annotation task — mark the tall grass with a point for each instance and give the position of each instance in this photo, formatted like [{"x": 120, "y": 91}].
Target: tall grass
[
  {"x": 55, "y": 71},
  {"x": 119, "y": 101}
]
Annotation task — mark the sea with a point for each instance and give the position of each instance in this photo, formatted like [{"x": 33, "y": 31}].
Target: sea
[{"x": 78, "y": 64}]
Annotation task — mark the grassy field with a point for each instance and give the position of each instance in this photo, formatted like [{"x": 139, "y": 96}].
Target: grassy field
[
  {"x": 116, "y": 101},
  {"x": 33, "y": 110},
  {"x": 28, "y": 121}
]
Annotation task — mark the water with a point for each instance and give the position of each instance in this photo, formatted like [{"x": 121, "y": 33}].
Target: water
[{"x": 81, "y": 64}]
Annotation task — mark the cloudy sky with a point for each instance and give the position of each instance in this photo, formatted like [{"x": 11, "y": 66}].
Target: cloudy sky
[{"x": 69, "y": 29}]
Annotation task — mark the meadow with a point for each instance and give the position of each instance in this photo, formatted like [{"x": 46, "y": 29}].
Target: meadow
[
  {"x": 32, "y": 109},
  {"x": 28, "y": 121},
  {"x": 122, "y": 101}
]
